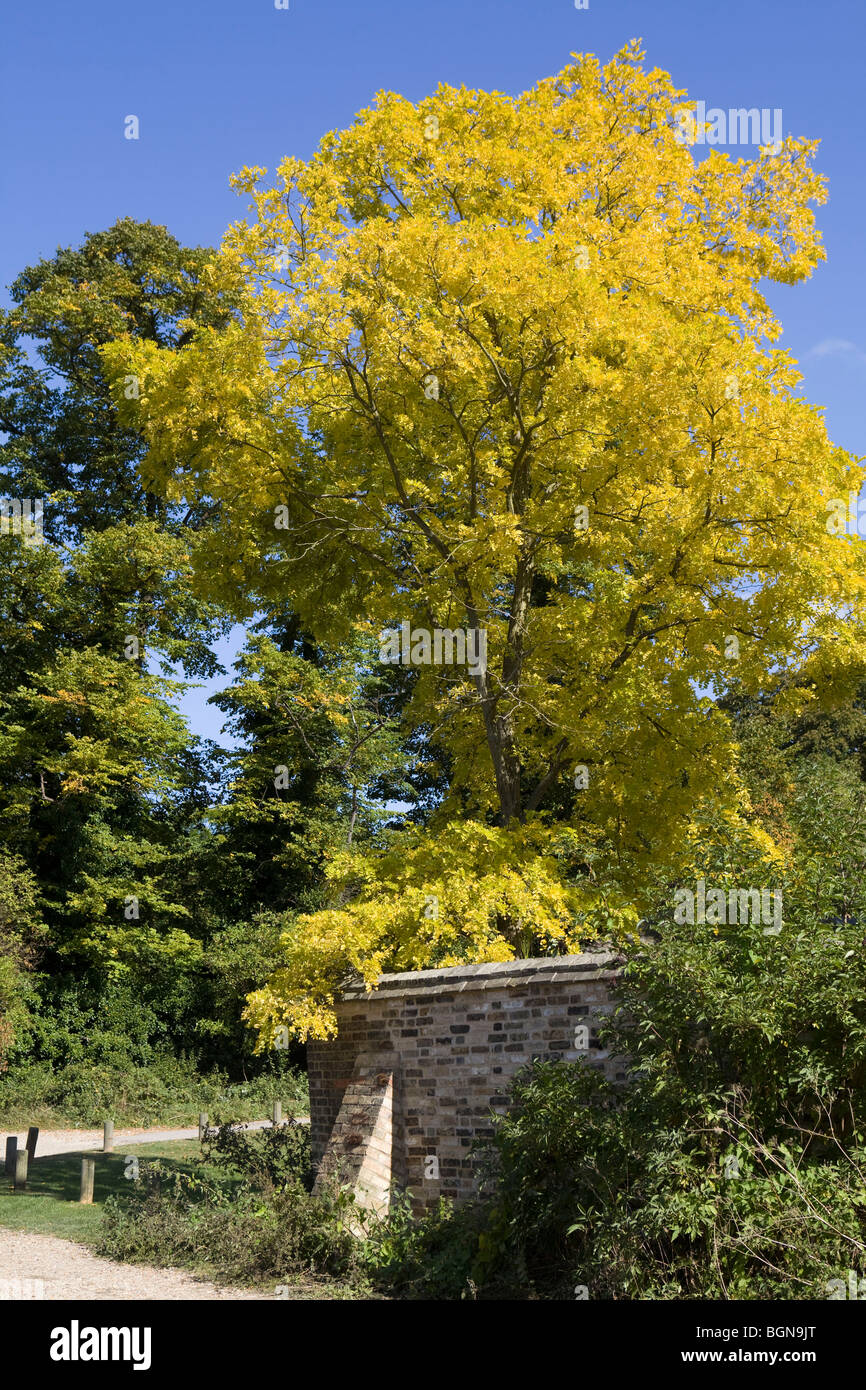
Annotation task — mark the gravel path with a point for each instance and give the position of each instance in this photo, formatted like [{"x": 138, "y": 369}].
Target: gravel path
[
  {"x": 67, "y": 1141},
  {"x": 39, "y": 1266},
  {"x": 36, "y": 1266}
]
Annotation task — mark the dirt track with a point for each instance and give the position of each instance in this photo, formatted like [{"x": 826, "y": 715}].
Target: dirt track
[
  {"x": 41, "y": 1266},
  {"x": 68, "y": 1141},
  {"x": 37, "y": 1266}
]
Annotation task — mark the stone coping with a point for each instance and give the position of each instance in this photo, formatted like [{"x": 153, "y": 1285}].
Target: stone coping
[{"x": 507, "y": 974}]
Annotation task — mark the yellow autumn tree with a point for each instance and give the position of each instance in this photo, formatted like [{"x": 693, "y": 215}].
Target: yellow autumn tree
[{"x": 503, "y": 365}]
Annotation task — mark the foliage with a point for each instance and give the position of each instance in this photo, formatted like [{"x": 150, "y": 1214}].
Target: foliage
[
  {"x": 732, "y": 1163},
  {"x": 325, "y": 727},
  {"x": 271, "y": 1158},
  {"x": 398, "y": 257},
  {"x": 20, "y": 935},
  {"x": 145, "y": 886},
  {"x": 169, "y": 1090},
  {"x": 64, "y": 438},
  {"x": 431, "y": 1256},
  {"x": 239, "y": 1232},
  {"x": 478, "y": 893},
  {"x": 103, "y": 783},
  {"x": 451, "y": 336}
]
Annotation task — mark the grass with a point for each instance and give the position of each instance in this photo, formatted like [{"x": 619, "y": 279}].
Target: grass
[{"x": 50, "y": 1206}]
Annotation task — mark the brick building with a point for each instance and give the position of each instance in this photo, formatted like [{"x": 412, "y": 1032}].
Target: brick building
[{"x": 406, "y": 1089}]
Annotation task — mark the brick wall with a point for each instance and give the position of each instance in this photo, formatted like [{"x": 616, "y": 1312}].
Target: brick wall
[{"x": 407, "y": 1087}]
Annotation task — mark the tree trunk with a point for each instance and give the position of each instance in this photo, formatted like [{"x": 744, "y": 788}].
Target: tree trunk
[{"x": 499, "y": 726}]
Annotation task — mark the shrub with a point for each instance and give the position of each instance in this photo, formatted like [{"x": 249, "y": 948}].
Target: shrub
[
  {"x": 239, "y": 1233},
  {"x": 269, "y": 1158},
  {"x": 170, "y": 1090},
  {"x": 428, "y": 1256},
  {"x": 21, "y": 934},
  {"x": 732, "y": 1164}
]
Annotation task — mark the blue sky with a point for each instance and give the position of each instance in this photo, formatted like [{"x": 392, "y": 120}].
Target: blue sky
[{"x": 217, "y": 84}]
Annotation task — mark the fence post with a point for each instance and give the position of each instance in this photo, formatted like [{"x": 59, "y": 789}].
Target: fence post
[
  {"x": 278, "y": 1112},
  {"x": 108, "y": 1137},
  {"x": 11, "y": 1150},
  {"x": 32, "y": 1136},
  {"x": 88, "y": 1172},
  {"x": 21, "y": 1161}
]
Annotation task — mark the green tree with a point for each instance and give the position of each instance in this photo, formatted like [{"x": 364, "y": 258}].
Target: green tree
[
  {"x": 21, "y": 933},
  {"x": 64, "y": 437},
  {"x": 315, "y": 732}
]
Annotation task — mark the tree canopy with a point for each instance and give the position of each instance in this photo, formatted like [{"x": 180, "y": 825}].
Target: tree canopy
[{"x": 505, "y": 363}]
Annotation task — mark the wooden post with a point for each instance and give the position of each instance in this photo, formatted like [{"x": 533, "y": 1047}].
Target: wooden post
[
  {"x": 108, "y": 1137},
  {"x": 11, "y": 1150},
  {"x": 278, "y": 1112},
  {"x": 21, "y": 1161},
  {"x": 202, "y": 1124},
  {"x": 88, "y": 1172},
  {"x": 32, "y": 1136}
]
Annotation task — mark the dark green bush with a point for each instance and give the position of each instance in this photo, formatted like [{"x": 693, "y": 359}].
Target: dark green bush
[
  {"x": 732, "y": 1165},
  {"x": 169, "y": 1091},
  {"x": 270, "y": 1158},
  {"x": 431, "y": 1256},
  {"x": 240, "y": 1233}
]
